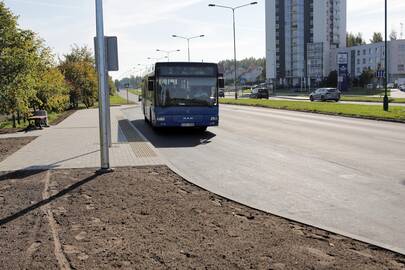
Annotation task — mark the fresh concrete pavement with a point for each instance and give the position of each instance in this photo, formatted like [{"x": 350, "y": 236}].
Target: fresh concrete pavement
[
  {"x": 340, "y": 174},
  {"x": 74, "y": 143}
]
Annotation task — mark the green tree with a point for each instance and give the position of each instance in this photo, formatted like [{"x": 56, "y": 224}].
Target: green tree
[
  {"x": 354, "y": 39},
  {"x": 393, "y": 35},
  {"x": 21, "y": 59},
  {"x": 332, "y": 79},
  {"x": 377, "y": 37},
  {"x": 80, "y": 73},
  {"x": 111, "y": 86},
  {"x": 366, "y": 77}
]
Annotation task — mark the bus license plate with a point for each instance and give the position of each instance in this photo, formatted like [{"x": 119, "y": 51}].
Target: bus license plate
[{"x": 188, "y": 125}]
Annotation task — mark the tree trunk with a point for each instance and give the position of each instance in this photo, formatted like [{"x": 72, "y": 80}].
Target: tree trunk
[
  {"x": 18, "y": 118},
  {"x": 14, "y": 123}
]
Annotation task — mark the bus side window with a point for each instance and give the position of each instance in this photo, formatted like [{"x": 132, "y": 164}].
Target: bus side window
[{"x": 151, "y": 84}]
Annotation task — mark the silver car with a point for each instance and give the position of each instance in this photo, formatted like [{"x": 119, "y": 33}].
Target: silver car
[{"x": 325, "y": 94}]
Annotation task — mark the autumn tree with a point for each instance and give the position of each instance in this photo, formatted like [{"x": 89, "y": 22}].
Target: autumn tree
[
  {"x": 79, "y": 70},
  {"x": 52, "y": 91}
]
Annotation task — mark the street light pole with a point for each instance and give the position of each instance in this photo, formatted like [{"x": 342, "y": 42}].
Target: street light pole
[
  {"x": 167, "y": 53},
  {"x": 188, "y": 49},
  {"x": 234, "y": 38},
  {"x": 386, "y": 101},
  {"x": 188, "y": 42},
  {"x": 234, "y": 55},
  {"x": 102, "y": 78}
]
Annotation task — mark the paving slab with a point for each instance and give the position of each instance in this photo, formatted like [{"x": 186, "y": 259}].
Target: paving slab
[{"x": 74, "y": 143}]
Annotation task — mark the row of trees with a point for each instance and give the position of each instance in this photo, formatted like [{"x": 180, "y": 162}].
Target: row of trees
[
  {"x": 31, "y": 78},
  {"x": 131, "y": 81},
  {"x": 366, "y": 77},
  {"x": 227, "y": 66},
  {"x": 357, "y": 39}
]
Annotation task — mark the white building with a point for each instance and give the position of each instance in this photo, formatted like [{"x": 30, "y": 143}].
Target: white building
[
  {"x": 300, "y": 35},
  {"x": 372, "y": 56}
]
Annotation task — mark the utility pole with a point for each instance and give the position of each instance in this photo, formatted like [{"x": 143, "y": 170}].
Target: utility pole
[
  {"x": 386, "y": 101},
  {"x": 167, "y": 53},
  {"x": 102, "y": 68}
]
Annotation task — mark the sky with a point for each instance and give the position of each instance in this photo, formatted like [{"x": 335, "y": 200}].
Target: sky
[{"x": 143, "y": 26}]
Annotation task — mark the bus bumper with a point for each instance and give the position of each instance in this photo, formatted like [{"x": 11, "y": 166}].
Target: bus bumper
[{"x": 186, "y": 121}]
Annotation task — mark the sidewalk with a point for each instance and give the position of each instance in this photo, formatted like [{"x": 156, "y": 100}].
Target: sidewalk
[{"x": 74, "y": 143}]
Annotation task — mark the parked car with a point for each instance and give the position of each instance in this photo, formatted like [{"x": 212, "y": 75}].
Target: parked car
[
  {"x": 391, "y": 85},
  {"x": 259, "y": 93},
  {"x": 221, "y": 93},
  {"x": 325, "y": 94},
  {"x": 402, "y": 87}
]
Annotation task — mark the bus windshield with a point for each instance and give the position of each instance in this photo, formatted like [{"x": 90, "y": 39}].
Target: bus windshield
[{"x": 187, "y": 91}]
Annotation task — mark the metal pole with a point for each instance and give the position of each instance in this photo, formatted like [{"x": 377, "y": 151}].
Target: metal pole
[
  {"x": 108, "y": 112},
  {"x": 386, "y": 101},
  {"x": 234, "y": 52},
  {"x": 188, "y": 45},
  {"x": 104, "y": 151}
]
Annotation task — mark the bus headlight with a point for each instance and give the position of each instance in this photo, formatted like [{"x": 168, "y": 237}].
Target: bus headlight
[
  {"x": 161, "y": 119},
  {"x": 214, "y": 118}
]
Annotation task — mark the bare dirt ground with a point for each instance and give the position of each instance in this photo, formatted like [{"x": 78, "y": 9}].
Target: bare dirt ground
[
  {"x": 150, "y": 218},
  {"x": 11, "y": 145}
]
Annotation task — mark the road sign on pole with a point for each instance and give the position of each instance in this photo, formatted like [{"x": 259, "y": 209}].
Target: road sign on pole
[{"x": 102, "y": 68}]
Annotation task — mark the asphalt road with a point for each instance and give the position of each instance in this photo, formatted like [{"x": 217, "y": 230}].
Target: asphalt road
[{"x": 340, "y": 174}]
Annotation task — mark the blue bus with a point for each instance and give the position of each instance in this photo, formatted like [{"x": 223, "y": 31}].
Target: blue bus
[{"x": 180, "y": 94}]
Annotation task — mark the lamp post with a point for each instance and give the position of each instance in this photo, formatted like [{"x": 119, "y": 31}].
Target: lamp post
[
  {"x": 234, "y": 37},
  {"x": 386, "y": 101},
  {"x": 167, "y": 53},
  {"x": 188, "y": 42}
]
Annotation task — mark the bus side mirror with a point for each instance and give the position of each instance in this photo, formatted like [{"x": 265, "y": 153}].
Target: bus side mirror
[
  {"x": 151, "y": 85},
  {"x": 221, "y": 83}
]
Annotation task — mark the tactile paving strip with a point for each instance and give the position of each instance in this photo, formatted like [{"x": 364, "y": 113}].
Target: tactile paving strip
[{"x": 138, "y": 144}]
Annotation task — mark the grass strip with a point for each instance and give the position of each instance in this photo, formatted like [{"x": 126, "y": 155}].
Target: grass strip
[
  {"x": 118, "y": 100},
  {"x": 136, "y": 92},
  {"x": 395, "y": 113},
  {"x": 371, "y": 99}
]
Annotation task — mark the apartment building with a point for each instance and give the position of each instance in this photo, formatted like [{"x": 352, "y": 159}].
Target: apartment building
[
  {"x": 372, "y": 56},
  {"x": 300, "y": 35}
]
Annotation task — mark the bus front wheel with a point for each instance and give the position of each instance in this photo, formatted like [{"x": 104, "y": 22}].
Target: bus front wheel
[{"x": 202, "y": 129}]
